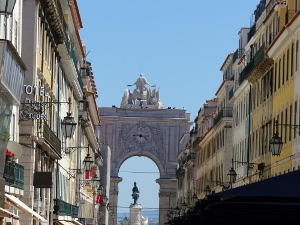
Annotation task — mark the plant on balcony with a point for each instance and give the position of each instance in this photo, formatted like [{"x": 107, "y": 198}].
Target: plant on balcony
[{"x": 9, "y": 156}]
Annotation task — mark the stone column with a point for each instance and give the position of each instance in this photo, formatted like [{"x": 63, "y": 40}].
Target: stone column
[
  {"x": 113, "y": 198},
  {"x": 135, "y": 214},
  {"x": 105, "y": 181},
  {"x": 167, "y": 197}
]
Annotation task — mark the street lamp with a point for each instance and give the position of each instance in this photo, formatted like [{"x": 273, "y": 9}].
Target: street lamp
[
  {"x": 207, "y": 191},
  {"x": 194, "y": 198},
  {"x": 276, "y": 145},
  {"x": 88, "y": 162},
  {"x": 184, "y": 205},
  {"x": 100, "y": 190},
  {"x": 177, "y": 211},
  {"x": 68, "y": 124},
  {"x": 232, "y": 174},
  {"x": 276, "y": 141},
  {"x": 95, "y": 180},
  {"x": 170, "y": 215}
]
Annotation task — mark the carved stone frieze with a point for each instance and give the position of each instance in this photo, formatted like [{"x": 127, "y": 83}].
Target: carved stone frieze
[
  {"x": 140, "y": 137},
  {"x": 167, "y": 194}
]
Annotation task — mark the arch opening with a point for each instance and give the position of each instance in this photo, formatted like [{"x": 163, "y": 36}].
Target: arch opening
[{"x": 144, "y": 172}]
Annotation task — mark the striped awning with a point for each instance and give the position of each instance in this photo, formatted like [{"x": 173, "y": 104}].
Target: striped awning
[
  {"x": 18, "y": 204},
  {"x": 6, "y": 213}
]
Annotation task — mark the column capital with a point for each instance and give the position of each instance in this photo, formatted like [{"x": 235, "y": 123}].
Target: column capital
[
  {"x": 166, "y": 182},
  {"x": 116, "y": 179}
]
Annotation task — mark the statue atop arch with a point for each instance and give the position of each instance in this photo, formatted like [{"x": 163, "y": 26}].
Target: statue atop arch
[
  {"x": 135, "y": 193},
  {"x": 140, "y": 84},
  {"x": 143, "y": 96}
]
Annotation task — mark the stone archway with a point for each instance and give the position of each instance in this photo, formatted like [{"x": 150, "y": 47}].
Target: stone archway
[{"x": 144, "y": 128}]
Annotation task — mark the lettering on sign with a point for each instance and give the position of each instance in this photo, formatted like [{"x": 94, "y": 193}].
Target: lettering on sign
[{"x": 32, "y": 109}]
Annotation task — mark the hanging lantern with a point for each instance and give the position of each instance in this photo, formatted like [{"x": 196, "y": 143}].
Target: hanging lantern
[
  {"x": 232, "y": 175},
  {"x": 68, "y": 125},
  {"x": 88, "y": 162},
  {"x": 276, "y": 145}
]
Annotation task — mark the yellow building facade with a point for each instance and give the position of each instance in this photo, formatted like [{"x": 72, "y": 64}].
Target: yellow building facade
[{"x": 283, "y": 50}]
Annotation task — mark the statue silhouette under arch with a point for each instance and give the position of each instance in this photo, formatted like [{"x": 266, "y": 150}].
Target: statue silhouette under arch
[{"x": 135, "y": 193}]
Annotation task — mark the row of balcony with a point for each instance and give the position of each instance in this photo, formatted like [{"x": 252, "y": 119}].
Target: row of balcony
[
  {"x": 196, "y": 142},
  {"x": 63, "y": 208},
  {"x": 224, "y": 112},
  {"x": 235, "y": 56},
  {"x": 289, "y": 14},
  {"x": 179, "y": 171},
  {"x": 251, "y": 32},
  {"x": 188, "y": 157},
  {"x": 14, "y": 175},
  {"x": 50, "y": 138},
  {"x": 257, "y": 67},
  {"x": 73, "y": 56}
]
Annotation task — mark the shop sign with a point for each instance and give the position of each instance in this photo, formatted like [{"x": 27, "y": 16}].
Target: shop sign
[{"x": 32, "y": 109}]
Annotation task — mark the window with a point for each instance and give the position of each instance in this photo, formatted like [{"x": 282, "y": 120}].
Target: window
[
  {"x": 11, "y": 28},
  {"x": 286, "y": 129},
  {"x": 291, "y": 115},
  {"x": 287, "y": 64},
  {"x": 279, "y": 73},
  {"x": 275, "y": 76},
  {"x": 292, "y": 61},
  {"x": 283, "y": 69},
  {"x": 297, "y": 54},
  {"x": 295, "y": 116},
  {"x": 16, "y": 35},
  {"x": 281, "y": 121}
]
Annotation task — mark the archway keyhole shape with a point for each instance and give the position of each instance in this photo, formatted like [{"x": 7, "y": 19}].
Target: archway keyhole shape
[{"x": 144, "y": 172}]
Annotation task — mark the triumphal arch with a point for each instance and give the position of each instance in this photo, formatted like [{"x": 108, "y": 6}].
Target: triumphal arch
[{"x": 141, "y": 126}]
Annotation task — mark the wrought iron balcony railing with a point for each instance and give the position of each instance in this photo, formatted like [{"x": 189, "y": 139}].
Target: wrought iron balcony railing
[
  {"x": 14, "y": 175},
  {"x": 257, "y": 67},
  {"x": 63, "y": 208},
  {"x": 235, "y": 56},
  {"x": 246, "y": 71},
  {"x": 225, "y": 112},
  {"x": 180, "y": 170},
  {"x": 188, "y": 157},
  {"x": 196, "y": 141},
  {"x": 48, "y": 138},
  {"x": 251, "y": 32}
]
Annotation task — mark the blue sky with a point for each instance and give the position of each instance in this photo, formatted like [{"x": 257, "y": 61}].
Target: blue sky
[{"x": 178, "y": 45}]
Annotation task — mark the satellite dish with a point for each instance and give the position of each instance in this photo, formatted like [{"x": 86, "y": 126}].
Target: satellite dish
[{"x": 15, "y": 148}]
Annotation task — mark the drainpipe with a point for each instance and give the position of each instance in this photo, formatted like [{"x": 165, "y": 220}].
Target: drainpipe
[
  {"x": 78, "y": 171},
  {"x": 249, "y": 129}
]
